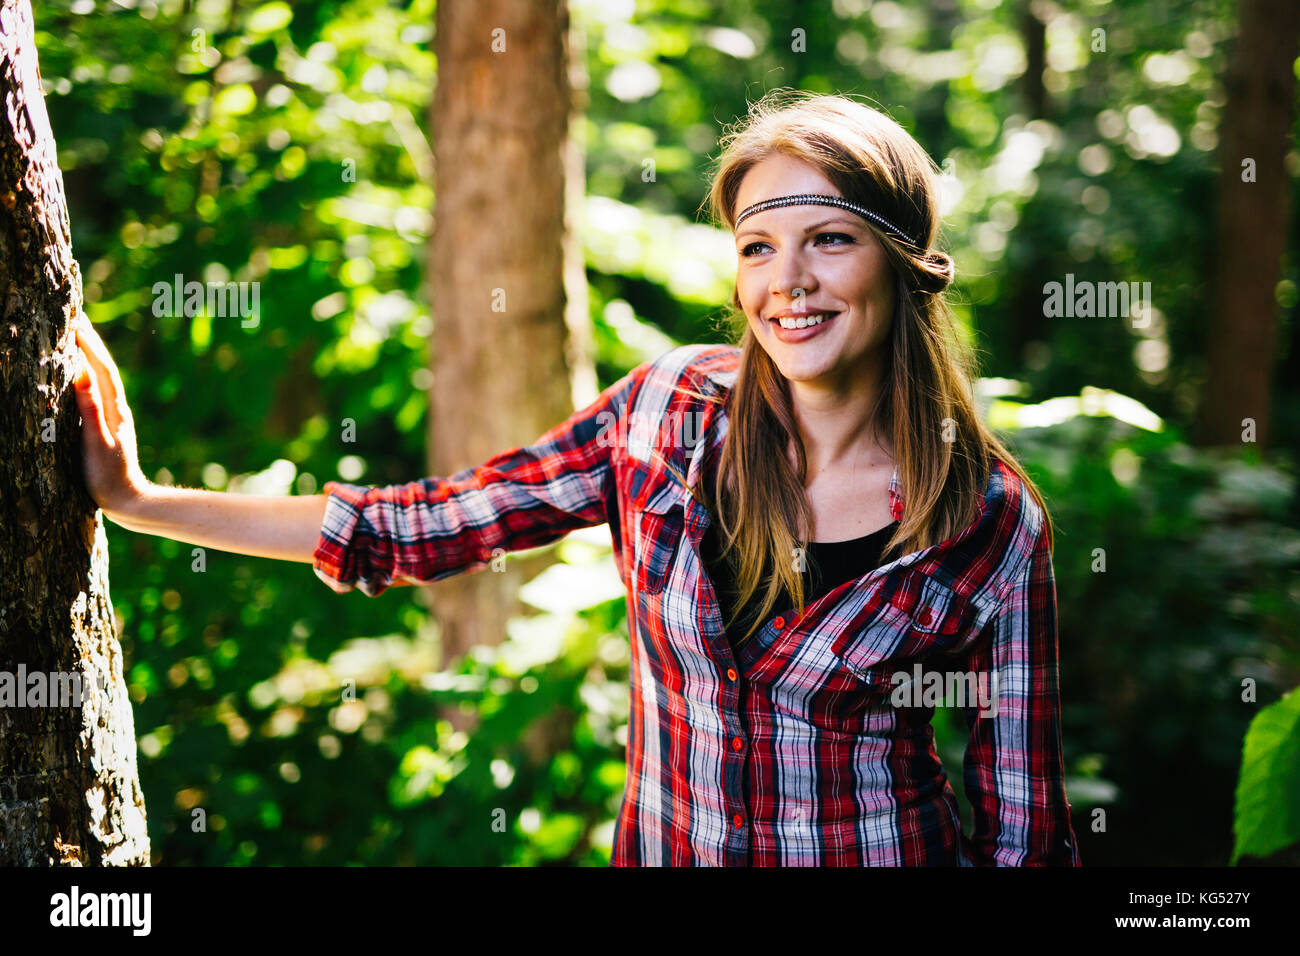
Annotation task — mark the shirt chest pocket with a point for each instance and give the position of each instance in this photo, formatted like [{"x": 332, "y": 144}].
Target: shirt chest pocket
[
  {"x": 657, "y": 525},
  {"x": 937, "y": 613},
  {"x": 924, "y": 615}
]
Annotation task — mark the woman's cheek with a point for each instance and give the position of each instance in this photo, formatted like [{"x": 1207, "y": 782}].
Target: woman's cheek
[{"x": 749, "y": 299}]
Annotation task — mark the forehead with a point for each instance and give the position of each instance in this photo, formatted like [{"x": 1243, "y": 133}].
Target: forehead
[{"x": 781, "y": 175}]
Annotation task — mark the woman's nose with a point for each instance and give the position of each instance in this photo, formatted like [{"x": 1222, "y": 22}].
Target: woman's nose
[{"x": 791, "y": 277}]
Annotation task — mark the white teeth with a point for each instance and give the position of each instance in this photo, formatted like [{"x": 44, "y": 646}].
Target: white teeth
[{"x": 802, "y": 322}]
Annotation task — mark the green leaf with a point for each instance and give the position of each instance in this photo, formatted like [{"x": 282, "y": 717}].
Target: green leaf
[
  {"x": 234, "y": 100},
  {"x": 270, "y": 17},
  {"x": 1268, "y": 792}
]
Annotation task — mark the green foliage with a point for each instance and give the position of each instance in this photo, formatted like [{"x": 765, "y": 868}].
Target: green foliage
[{"x": 1268, "y": 793}]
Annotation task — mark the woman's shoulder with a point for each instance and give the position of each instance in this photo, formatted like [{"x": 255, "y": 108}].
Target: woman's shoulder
[
  {"x": 1007, "y": 494},
  {"x": 708, "y": 361},
  {"x": 686, "y": 371}
]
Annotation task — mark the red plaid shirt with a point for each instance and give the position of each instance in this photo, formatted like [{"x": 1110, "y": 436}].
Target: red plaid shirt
[{"x": 795, "y": 751}]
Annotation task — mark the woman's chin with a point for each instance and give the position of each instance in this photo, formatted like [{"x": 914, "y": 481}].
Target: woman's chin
[{"x": 802, "y": 368}]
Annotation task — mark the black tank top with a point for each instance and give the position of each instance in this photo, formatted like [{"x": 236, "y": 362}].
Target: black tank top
[{"x": 829, "y": 564}]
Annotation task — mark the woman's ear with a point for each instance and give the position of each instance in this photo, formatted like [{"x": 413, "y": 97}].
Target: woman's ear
[{"x": 735, "y": 296}]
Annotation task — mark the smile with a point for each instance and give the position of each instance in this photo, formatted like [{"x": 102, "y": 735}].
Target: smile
[
  {"x": 803, "y": 321},
  {"x": 795, "y": 329}
]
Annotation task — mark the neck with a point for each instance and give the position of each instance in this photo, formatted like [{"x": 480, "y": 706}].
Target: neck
[{"x": 835, "y": 421}]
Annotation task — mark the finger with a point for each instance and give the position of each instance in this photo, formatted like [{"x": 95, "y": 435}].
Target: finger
[
  {"x": 92, "y": 390},
  {"x": 105, "y": 376},
  {"x": 98, "y": 352},
  {"x": 88, "y": 400}
]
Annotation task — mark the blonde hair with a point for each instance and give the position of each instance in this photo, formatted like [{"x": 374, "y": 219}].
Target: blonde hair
[{"x": 757, "y": 497}]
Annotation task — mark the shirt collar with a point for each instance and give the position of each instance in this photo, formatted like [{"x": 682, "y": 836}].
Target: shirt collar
[{"x": 723, "y": 378}]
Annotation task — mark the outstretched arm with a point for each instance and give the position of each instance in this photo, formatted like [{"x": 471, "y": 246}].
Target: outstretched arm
[
  {"x": 285, "y": 528},
  {"x": 375, "y": 537}
]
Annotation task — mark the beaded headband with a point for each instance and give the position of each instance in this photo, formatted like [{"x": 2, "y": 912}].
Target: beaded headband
[{"x": 813, "y": 199}]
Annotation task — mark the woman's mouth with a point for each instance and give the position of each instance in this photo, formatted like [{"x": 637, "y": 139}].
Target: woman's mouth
[{"x": 800, "y": 328}]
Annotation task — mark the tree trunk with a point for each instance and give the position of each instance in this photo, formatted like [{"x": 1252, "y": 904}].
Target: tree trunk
[
  {"x": 69, "y": 791},
  {"x": 501, "y": 377},
  {"x": 1034, "y": 32},
  {"x": 1252, "y": 219}
]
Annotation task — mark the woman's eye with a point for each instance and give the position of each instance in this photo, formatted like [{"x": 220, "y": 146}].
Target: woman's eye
[{"x": 838, "y": 239}]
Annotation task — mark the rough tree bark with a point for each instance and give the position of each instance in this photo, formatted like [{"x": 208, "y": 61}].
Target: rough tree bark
[
  {"x": 501, "y": 350},
  {"x": 69, "y": 791},
  {"x": 1252, "y": 223}
]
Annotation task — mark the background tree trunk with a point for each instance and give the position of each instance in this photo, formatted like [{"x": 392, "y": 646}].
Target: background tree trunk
[
  {"x": 1257, "y": 120},
  {"x": 69, "y": 791},
  {"x": 1033, "y": 31},
  {"x": 500, "y": 356}
]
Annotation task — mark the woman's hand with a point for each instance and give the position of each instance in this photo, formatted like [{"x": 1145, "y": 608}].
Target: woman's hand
[{"x": 109, "y": 463}]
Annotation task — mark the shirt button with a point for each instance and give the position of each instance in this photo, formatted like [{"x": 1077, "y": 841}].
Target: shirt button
[
  {"x": 924, "y": 616},
  {"x": 738, "y": 820},
  {"x": 737, "y": 743},
  {"x": 731, "y": 673},
  {"x": 779, "y": 622}
]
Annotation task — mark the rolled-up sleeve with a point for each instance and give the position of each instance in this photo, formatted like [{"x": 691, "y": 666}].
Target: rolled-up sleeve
[
  {"x": 1014, "y": 771},
  {"x": 372, "y": 538}
]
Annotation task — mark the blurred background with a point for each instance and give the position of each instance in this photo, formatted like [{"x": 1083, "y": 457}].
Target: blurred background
[{"x": 292, "y": 145}]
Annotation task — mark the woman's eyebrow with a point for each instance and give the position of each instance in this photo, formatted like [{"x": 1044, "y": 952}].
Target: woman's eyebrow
[{"x": 825, "y": 222}]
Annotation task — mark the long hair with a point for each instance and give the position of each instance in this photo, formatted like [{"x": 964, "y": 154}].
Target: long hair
[{"x": 926, "y": 402}]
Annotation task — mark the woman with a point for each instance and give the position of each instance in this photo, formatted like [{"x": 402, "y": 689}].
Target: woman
[{"x": 775, "y": 649}]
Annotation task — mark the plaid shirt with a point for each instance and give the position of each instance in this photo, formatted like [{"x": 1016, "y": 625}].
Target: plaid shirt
[{"x": 790, "y": 752}]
